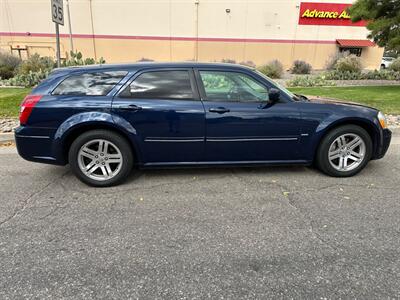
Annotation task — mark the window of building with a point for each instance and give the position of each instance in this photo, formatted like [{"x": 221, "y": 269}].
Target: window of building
[
  {"x": 89, "y": 84},
  {"x": 161, "y": 85},
  {"x": 355, "y": 51},
  {"x": 232, "y": 86}
]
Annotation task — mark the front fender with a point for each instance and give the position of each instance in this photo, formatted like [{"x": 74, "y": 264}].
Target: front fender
[
  {"x": 92, "y": 120},
  {"x": 335, "y": 120}
]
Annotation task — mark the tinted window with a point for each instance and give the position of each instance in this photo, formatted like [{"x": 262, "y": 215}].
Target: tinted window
[
  {"x": 231, "y": 86},
  {"x": 161, "y": 85},
  {"x": 92, "y": 84}
]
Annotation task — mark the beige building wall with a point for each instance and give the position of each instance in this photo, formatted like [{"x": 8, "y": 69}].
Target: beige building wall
[{"x": 176, "y": 30}]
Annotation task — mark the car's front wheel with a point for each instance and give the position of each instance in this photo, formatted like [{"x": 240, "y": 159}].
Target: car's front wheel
[
  {"x": 344, "y": 151},
  {"x": 100, "y": 158}
]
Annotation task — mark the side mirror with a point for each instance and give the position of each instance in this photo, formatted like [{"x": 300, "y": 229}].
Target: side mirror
[{"x": 273, "y": 95}]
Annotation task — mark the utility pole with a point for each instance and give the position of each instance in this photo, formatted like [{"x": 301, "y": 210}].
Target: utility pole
[
  {"x": 58, "y": 45},
  {"x": 71, "y": 42},
  {"x": 196, "y": 24}
]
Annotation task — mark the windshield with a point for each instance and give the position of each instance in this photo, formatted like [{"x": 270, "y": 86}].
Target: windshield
[{"x": 280, "y": 87}]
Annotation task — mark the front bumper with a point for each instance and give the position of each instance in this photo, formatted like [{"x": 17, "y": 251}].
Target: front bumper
[{"x": 384, "y": 143}]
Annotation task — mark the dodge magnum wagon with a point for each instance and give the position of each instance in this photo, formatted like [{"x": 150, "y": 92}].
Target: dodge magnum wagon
[{"x": 103, "y": 120}]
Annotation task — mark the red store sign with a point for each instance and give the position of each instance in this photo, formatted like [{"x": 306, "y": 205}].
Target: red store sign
[{"x": 333, "y": 14}]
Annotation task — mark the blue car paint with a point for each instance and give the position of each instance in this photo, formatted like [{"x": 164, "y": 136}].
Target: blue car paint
[{"x": 177, "y": 132}]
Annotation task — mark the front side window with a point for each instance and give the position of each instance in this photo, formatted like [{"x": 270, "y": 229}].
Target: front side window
[
  {"x": 161, "y": 85},
  {"x": 232, "y": 86},
  {"x": 89, "y": 84}
]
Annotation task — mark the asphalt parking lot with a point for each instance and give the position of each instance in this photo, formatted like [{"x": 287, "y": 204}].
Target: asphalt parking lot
[{"x": 282, "y": 232}]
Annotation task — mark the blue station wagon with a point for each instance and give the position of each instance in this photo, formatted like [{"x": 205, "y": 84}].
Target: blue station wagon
[{"x": 103, "y": 120}]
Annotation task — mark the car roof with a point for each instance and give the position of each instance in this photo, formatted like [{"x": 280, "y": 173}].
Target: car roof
[{"x": 147, "y": 65}]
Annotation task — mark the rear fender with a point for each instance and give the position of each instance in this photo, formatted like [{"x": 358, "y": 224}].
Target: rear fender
[{"x": 92, "y": 120}]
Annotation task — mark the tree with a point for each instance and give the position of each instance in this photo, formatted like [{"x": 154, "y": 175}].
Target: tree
[{"x": 383, "y": 17}]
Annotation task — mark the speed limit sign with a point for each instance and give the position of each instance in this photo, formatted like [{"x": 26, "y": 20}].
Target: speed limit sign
[{"x": 57, "y": 11}]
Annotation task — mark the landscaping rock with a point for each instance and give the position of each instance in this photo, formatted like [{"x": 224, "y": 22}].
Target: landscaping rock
[
  {"x": 8, "y": 125},
  {"x": 393, "y": 120}
]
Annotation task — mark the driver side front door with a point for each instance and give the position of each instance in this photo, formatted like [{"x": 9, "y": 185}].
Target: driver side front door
[{"x": 240, "y": 127}]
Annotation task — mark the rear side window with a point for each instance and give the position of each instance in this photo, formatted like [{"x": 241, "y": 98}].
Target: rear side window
[
  {"x": 160, "y": 85},
  {"x": 89, "y": 84}
]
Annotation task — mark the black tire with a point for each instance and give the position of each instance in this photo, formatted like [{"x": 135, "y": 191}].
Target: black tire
[
  {"x": 323, "y": 150},
  {"x": 120, "y": 142}
]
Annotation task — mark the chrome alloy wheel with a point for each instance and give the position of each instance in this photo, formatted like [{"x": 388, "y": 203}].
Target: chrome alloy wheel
[
  {"x": 347, "y": 152},
  {"x": 100, "y": 159}
]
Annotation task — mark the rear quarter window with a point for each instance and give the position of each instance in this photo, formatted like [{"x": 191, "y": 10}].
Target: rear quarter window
[{"x": 89, "y": 84}]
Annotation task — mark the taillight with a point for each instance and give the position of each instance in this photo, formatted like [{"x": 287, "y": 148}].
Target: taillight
[{"x": 27, "y": 106}]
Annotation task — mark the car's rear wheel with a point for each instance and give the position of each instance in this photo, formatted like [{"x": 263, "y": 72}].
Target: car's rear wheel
[
  {"x": 344, "y": 151},
  {"x": 100, "y": 158}
]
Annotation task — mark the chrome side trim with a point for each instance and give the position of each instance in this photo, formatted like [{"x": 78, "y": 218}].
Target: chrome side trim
[
  {"x": 44, "y": 157},
  {"x": 33, "y": 136},
  {"x": 186, "y": 140},
  {"x": 176, "y": 140},
  {"x": 250, "y": 139}
]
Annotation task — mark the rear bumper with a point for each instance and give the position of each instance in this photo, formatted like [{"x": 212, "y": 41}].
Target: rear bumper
[
  {"x": 384, "y": 143},
  {"x": 36, "y": 145}
]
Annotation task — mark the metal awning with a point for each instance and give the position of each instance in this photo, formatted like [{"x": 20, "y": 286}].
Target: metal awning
[{"x": 355, "y": 43}]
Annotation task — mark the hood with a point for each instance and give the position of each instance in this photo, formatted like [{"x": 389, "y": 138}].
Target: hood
[{"x": 331, "y": 101}]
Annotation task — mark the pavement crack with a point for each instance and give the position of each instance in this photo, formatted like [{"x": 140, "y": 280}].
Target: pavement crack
[
  {"x": 309, "y": 222},
  {"x": 26, "y": 202},
  {"x": 52, "y": 212}
]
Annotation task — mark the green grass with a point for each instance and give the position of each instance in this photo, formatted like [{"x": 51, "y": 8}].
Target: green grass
[
  {"x": 10, "y": 99},
  {"x": 384, "y": 98}
]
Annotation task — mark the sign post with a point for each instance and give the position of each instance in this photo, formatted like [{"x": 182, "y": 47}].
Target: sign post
[{"x": 57, "y": 14}]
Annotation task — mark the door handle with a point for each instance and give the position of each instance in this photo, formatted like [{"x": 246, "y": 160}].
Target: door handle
[
  {"x": 131, "y": 107},
  {"x": 219, "y": 110}
]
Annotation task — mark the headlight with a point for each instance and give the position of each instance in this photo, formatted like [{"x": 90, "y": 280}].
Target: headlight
[{"x": 382, "y": 120}]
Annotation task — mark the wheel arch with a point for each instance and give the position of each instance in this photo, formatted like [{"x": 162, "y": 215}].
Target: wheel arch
[
  {"x": 368, "y": 126},
  {"x": 72, "y": 128}
]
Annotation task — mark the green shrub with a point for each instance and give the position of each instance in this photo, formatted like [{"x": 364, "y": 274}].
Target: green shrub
[
  {"x": 273, "y": 69},
  {"x": 36, "y": 68},
  {"x": 309, "y": 81},
  {"x": 248, "y": 63},
  {"x": 371, "y": 75},
  {"x": 332, "y": 60},
  {"x": 342, "y": 75},
  {"x": 382, "y": 75},
  {"x": 35, "y": 63},
  {"x": 301, "y": 67},
  {"x": 76, "y": 59},
  {"x": 26, "y": 80},
  {"x": 395, "y": 65},
  {"x": 349, "y": 63},
  {"x": 228, "y": 61},
  {"x": 8, "y": 64},
  {"x": 6, "y": 72}
]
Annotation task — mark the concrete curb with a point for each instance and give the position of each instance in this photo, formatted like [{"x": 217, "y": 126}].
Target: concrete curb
[{"x": 6, "y": 138}]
